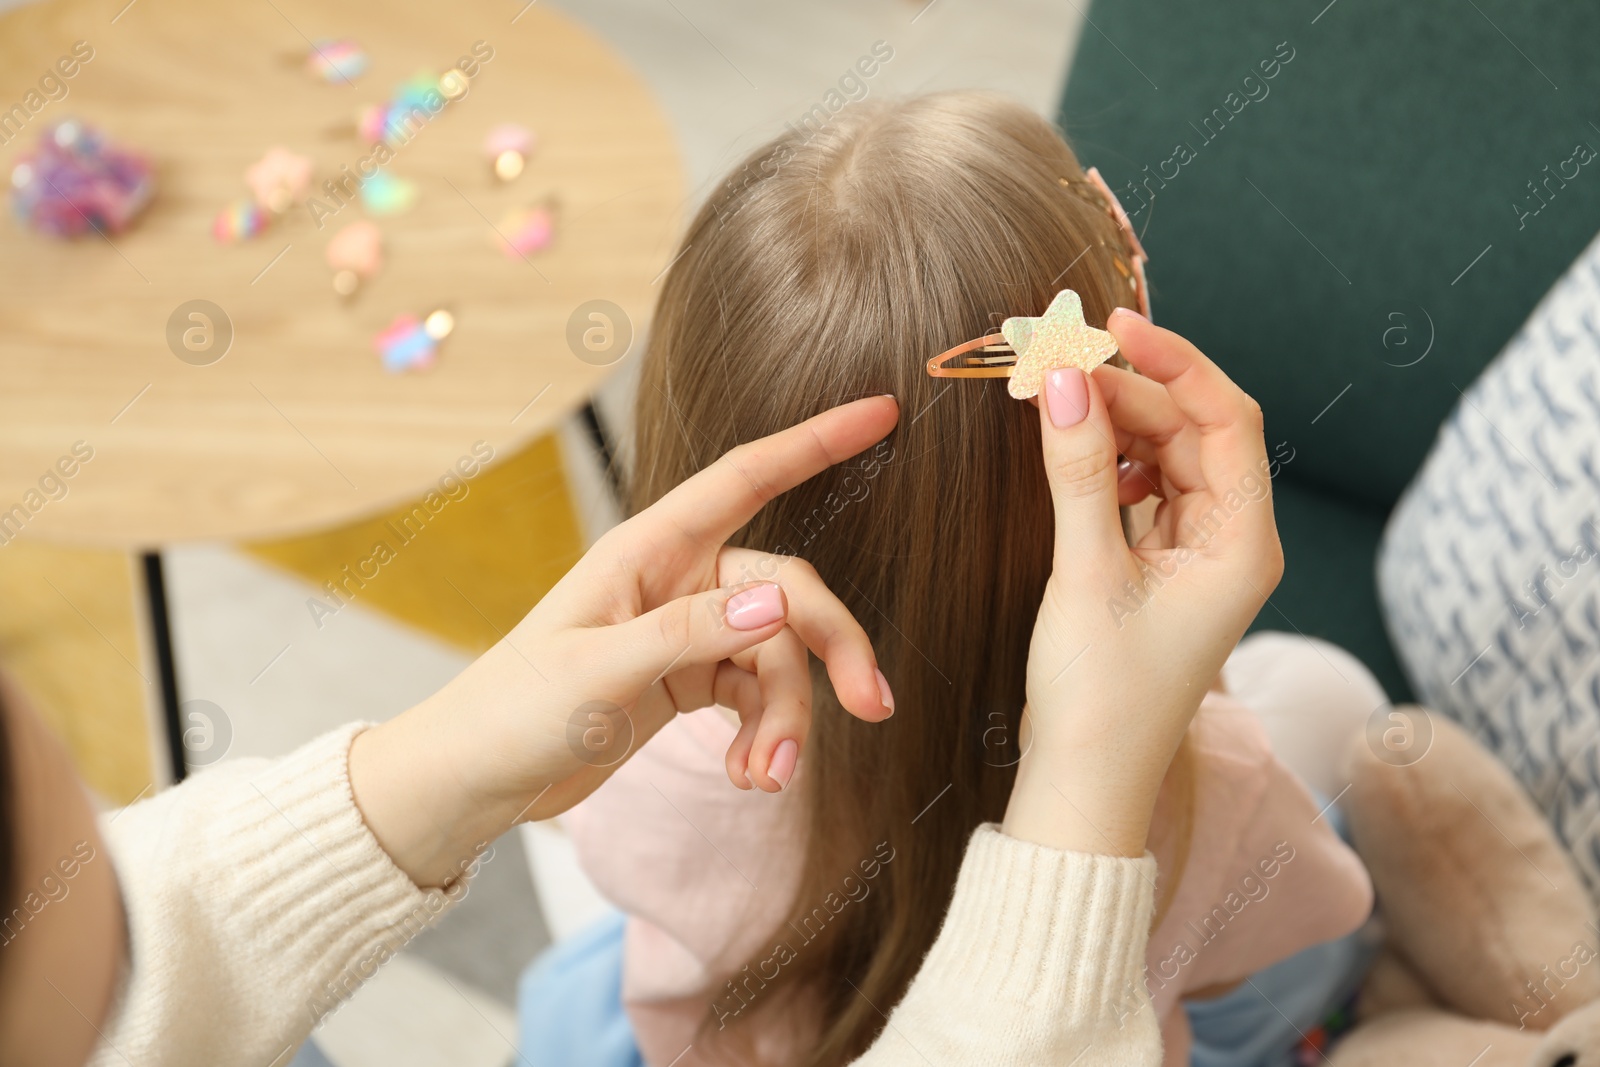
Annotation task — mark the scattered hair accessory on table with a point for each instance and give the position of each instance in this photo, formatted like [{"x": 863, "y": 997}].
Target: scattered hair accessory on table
[
  {"x": 1027, "y": 347},
  {"x": 239, "y": 221},
  {"x": 356, "y": 254},
  {"x": 508, "y": 147},
  {"x": 384, "y": 194},
  {"x": 75, "y": 181},
  {"x": 410, "y": 343},
  {"x": 279, "y": 180},
  {"x": 526, "y": 230},
  {"x": 336, "y": 62},
  {"x": 453, "y": 84},
  {"x": 392, "y": 123}
]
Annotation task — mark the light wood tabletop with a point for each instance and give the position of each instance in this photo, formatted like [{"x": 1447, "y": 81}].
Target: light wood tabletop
[{"x": 299, "y": 426}]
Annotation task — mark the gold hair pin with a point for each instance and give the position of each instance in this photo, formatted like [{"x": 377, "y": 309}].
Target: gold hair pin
[{"x": 1025, "y": 348}]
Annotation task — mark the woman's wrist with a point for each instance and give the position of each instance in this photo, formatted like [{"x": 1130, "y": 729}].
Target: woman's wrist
[
  {"x": 1081, "y": 800},
  {"x": 417, "y": 803}
]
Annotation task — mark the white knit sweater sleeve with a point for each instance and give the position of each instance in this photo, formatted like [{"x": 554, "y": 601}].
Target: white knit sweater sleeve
[
  {"x": 257, "y": 901},
  {"x": 1040, "y": 962}
]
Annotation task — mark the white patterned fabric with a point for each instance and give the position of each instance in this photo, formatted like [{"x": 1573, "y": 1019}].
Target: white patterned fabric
[{"x": 1489, "y": 572}]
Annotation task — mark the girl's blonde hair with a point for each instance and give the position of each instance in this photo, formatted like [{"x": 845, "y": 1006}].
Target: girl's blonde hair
[{"x": 831, "y": 266}]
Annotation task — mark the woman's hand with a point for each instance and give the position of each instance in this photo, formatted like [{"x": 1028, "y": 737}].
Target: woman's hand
[
  {"x": 657, "y": 618},
  {"x": 1128, "y": 639}
]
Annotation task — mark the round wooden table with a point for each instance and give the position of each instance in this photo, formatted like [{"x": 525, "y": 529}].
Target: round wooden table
[{"x": 298, "y": 426}]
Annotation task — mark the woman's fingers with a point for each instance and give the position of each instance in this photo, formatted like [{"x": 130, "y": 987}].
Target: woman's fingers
[
  {"x": 1137, "y": 481},
  {"x": 1229, "y": 422},
  {"x": 1139, "y": 405},
  {"x": 770, "y": 739},
  {"x": 739, "y": 690},
  {"x": 1080, "y": 459},
  {"x": 1147, "y": 419},
  {"x": 756, "y": 635},
  {"x": 697, "y": 630},
  {"x": 1230, "y": 447},
  {"x": 824, "y": 625},
  {"x": 784, "y": 672},
  {"x": 1197, "y": 385},
  {"x": 770, "y": 688},
  {"x": 710, "y": 507}
]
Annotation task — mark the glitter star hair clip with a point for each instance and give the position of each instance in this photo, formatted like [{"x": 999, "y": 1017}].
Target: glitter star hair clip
[{"x": 1026, "y": 347}]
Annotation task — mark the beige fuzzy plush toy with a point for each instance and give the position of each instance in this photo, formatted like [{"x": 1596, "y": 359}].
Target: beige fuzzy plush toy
[{"x": 1492, "y": 955}]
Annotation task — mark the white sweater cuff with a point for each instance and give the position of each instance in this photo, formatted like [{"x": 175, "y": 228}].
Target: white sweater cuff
[
  {"x": 258, "y": 900},
  {"x": 309, "y": 873},
  {"x": 1041, "y": 957}
]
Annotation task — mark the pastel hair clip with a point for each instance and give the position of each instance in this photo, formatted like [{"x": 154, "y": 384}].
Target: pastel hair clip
[
  {"x": 415, "y": 100},
  {"x": 410, "y": 343},
  {"x": 1025, "y": 348},
  {"x": 240, "y": 221},
  {"x": 277, "y": 181},
  {"x": 508, "y": 147},
  {"x": 356, "y": 254},
  {"x": 1131, "y": 268},
  {"x": 525, "y": 230},
  {"x": 336, "y": 61},
  {"x": 384, "y": 194}
]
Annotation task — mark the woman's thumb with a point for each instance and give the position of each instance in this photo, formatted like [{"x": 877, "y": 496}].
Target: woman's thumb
[{"x": 1080, "y": 459}]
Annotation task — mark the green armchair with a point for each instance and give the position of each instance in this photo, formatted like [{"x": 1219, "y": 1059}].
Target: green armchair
[{"x": 1351, "y": 207}]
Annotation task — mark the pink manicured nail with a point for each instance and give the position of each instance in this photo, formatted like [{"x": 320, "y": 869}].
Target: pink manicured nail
[
  {"x": 1067, "y": 396},
  {"x": 1129, "y": 312},
  {"x": 755, "y": 608},
  {"x": 781, "y": 769},
  {"x": 884, "y": 693}
]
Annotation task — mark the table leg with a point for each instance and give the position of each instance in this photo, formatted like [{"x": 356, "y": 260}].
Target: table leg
[
  {"x": 155, "y": 587},
  {"x": 608, "y": 453}
]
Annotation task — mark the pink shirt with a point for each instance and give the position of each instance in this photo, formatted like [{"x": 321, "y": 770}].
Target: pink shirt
[{"x": 1264, "y": 878}]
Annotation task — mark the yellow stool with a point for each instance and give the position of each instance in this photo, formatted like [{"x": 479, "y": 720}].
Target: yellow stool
[
  {"x": 70, "y": 638},
  {"x": 466, "y": 569}
]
